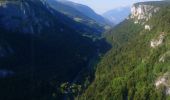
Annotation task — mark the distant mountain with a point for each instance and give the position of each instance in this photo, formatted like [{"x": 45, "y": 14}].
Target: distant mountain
[
  {"x": 79, "y": 13},
  {"x": 40, "y": 49},
  {"x": 117, "y": 15},
  {"x": 86, "y": 11}
]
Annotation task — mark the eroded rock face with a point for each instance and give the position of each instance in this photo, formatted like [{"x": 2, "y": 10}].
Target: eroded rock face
[
  {"x": 164, "y": 81},
  {"x": 142, "y": 13},
  {"x": 19, "y": 16},
  {"x": 147, "y": 27},
  {"x": 157, "y": 42}
]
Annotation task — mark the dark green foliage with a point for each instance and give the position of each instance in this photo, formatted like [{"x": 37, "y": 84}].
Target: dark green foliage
[
  {"x": 129, "y": 70},
  {"x": 118, "y": 36}
]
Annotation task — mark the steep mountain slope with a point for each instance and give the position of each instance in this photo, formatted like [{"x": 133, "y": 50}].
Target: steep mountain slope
[
  {"x": 39, "y": 50},
  {"x": 117, "y": 15},
  {"x": 87, "y": 11},
  {"x": 80, "y": 13},
  {"x": 138, "y": 67}
]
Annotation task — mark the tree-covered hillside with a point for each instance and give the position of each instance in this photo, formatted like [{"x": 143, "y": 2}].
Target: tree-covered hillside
[
  {"x": 40, "y": 50},
  {"x": 81, "y": 14},
  {"x": 137, "y": 67}
]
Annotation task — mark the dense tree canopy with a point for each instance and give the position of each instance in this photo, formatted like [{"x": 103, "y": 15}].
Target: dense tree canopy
[{"x": 129, "y": 70}]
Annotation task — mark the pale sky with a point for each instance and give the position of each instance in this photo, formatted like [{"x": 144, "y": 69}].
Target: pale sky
[{"x": 101, "y": 6}]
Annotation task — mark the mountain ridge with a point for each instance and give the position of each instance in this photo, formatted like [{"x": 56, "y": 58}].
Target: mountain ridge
[
  {"x": 133, "y": 69},
  {"x": 88, "y": 12},
  {"x": 78, "y": 12},
  {"x": 117, "y": 15}
]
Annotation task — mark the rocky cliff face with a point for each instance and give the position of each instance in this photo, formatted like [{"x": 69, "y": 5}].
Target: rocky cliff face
[
  {"x": 19, "y": 16},
  {"x": 164, "y": 80},
  {"x": 141, "y": 13}
]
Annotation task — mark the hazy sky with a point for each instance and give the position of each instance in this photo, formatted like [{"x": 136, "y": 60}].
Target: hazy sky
[{"x": 101, "y": 6}]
